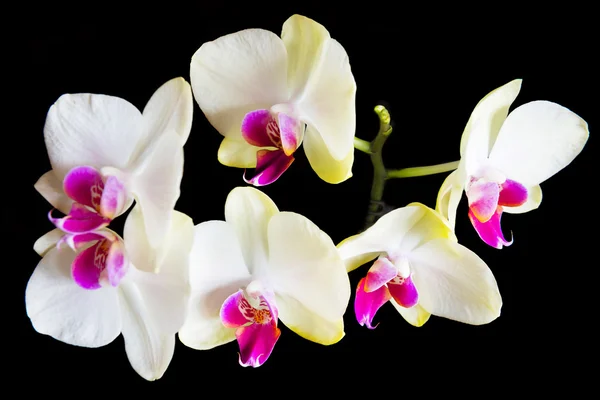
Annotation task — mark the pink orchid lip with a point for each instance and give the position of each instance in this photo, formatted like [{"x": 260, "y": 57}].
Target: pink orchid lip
[
  {"x": 366, "y": 304},
  {"x": 80, "y": 220},
  {"x": 487, "y": 224},
  {"x": 277, "y": 137},
  {"x": 255, "y": 324},
  {"x": 105, "y": 261}
]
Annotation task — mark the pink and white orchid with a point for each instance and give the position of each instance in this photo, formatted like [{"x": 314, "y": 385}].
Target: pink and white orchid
[
  {"x": 110, "y": 286},
  {"x": 104, "y": 153},
  {"x": 267, "y": 95},
  {"x": 421, "y": 269},
  {"x": 259, "y": 266},
  {"x": 505, "y": 157}
]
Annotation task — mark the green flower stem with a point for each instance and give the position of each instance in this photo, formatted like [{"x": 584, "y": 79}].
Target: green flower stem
[
  {"x": 422, "y": 171},
  {"x": 377, "y": 206}
]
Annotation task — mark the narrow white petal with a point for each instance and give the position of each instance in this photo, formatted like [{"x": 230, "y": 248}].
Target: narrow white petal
[
  {"x": 51, "y": 187},
  {"x": 149, "y": 347},
  {"x": 91, "y": 129},
  {"x": 47, "y": 241},
  {"x": 249, "y": 210},
  {"x": 156, "y": 185},
  {"x": 239, "y": 73},
  {"x": 217, "y": 270},
  {"x": 484, "y": 124},
  {"x": 170, "y": 108},
  {"x": 58, "y": 307},
  {"x": 537, "y": 140},
  {"x": 454, "y": 283},
  {"x": 304, "y": 264},
  {"x": 449, "y": 197}
]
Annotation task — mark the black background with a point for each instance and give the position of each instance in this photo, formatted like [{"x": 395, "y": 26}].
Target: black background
[{"x": 430, "y": 65}]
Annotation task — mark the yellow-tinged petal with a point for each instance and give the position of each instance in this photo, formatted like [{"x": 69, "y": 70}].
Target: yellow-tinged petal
[
  {"x": 327, "y": 168},
  {"x": 305, "y": 264},
  {"x": 50, "y": 186},
  {"x": 416, "y": 315},
  {"x": 47, "y": 241},
  {"x": 484, "y": 124},
  {"x": 236, "y": 152},
  {"x": 249, "y": 211},
  {"x": 304, "y": 40},
  {"x": 307, "y": 324},
  {"x": 449, "y": 197}
]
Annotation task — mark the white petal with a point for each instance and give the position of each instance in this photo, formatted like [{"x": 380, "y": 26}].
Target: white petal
[
  {"x": 537, "y": 140},
  {"x": 91, "y": 129},
  {"x": 58, "y": 307},
  {"x": 239, "y": 73},
  {"x": 309, "y": 325},
  {"x": 484, "y": 124},
  {"x": 170, "y": 108},
  {"x": 149, "y": 347},
  {"x": 305, "y": 265},
  {"x": 156, "y": 185},
  {"x": 48, "y": 241},
  {"x": 217, "y": 270},
  {"x": 249, "y": 210},
  {"x": 416, "y": 315},
  {"x": 172, "y": 256},
  {"x": 321, "y": 160},
  {"x": 454, "y": 283},
  {"x": 328, "y": 102},
  {"x": 449, "y": 197},
  {"x": 534, "y": 199},
  {"x": 399, "y": 230},
  {"x": 51, "y": 187}
]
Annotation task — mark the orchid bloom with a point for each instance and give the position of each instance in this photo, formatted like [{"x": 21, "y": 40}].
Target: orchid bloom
[
  {"x": 259, "y": 266},
  {"x": 421, "y": 269},
  {"x": 147, "y": 303},
  {"x": 505, "y": 157},
  {"x": 105, "y": 153},
  {"x": 267, "y": 95}
]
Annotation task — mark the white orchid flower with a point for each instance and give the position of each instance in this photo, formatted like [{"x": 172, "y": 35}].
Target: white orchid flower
[
  {"x": 421, "y": 269},
  {"x": 267, "y": 95},
  {"x": 259, "y": 266},
  {"x": 104, "y": 153},
  {"x": 89, "y": 296},
  {"x": 505, "y": 157}
]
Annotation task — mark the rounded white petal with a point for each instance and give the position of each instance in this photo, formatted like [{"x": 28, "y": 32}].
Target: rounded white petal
[
  {"x": 58, "y": 307},
  {"x": 156, "y": 185},
  {"x": 328, "y": 101},
  {"x": 91, "y": 129},
  {"x": 236, "y": 152},
  {"x": 449, "y": 197},
  {"x": 217, "y": 270},
  {"x": 171, "y": 107},
  {"x": 534, "y": 199},
  {"x": 148, "y": 344},
  {"x": 249, "y": 210},
  {"x": 454, "y": 283},
  {"x": 484, "y": 124},
  {"x": 309, "y": 325},
  {"x": 239, "y": 73},
  {"x": 537, "y": 140},
  {"x": 47, "y": 241},
  {"x": 322, "y": 162},
  {"x": 51, "y": 187},
  {"x": 305, "y": 265},
  {"x": 399, "y": 230},
  {"x": 416, "y": 315}
]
